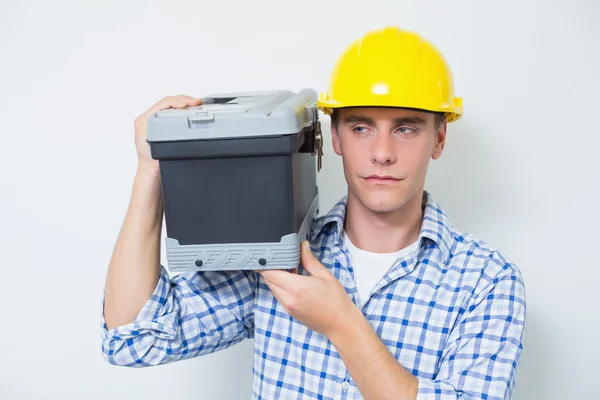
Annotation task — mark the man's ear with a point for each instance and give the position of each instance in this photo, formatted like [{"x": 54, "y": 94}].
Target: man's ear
[
  {"x": 335, "y": 140},
  {"x": 440, "y": 140}
]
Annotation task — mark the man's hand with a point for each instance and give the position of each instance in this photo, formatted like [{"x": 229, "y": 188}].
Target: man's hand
[
  {"x": 141, "y": 125},
  {"x": 318, "y": 301}
]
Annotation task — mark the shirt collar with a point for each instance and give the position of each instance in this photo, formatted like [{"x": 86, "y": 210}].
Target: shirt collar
[{"x": 435, "y": 226}]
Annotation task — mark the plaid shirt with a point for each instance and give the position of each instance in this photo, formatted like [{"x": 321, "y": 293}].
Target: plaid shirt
[{"x": 452, "y": 313}]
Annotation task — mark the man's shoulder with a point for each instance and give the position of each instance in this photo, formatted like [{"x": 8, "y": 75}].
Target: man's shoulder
[
  {"x": 325, "y": 225},
  {"x": 480, "y": 257}
]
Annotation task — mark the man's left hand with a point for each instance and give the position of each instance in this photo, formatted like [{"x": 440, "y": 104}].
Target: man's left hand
[{"x": 319, "y": 301}]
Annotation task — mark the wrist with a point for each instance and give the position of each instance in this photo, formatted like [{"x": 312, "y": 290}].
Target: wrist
[
  {"x": 147, "y": 175},
  {"x": 352, "y": 322},
  {"x": 148, "y": 167},
  {"x": 147, "y": 190}
]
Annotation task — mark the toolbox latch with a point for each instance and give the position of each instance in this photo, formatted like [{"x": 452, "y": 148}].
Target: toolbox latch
[
  {"x": 316, "y": 140},
  {"x": 318, "y": 148}
]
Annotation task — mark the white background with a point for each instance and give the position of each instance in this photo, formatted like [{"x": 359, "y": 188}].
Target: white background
[{"x": 521, "y": 170}]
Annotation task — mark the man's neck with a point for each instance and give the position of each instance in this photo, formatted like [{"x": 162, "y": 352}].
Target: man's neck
[{"x": 383, "y": 232}]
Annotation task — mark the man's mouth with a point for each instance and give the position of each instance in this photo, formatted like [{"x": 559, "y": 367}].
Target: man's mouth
[{"x": 381, "y": 179}]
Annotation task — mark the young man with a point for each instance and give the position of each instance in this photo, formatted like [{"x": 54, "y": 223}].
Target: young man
[{"x": 389, "y": 301}]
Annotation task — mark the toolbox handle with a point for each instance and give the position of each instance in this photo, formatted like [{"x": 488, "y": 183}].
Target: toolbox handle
[{"x": 201, "y": 116}]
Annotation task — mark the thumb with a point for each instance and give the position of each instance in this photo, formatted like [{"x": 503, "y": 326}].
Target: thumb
[{"x": 309, "y": 262}]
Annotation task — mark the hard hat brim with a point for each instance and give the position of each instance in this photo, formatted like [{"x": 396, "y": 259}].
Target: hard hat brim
[{"x": 452, "y": 113}]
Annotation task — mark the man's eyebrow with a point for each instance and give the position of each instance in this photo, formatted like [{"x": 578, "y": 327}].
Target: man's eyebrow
[
  {"x": 354, "y": 119},
  {"x": 410, "y": 120},
  {"x": 416, "y": 120}
]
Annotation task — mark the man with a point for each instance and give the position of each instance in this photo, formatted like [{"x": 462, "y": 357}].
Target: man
[{"x": 389, "y": 301}]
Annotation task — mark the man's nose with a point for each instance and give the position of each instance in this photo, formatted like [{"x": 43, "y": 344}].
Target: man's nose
[{"x": 383, "y": 150}]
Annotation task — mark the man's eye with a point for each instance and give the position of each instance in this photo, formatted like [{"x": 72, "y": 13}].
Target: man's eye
[
  {"x": 406, "y": 130},
  {"x": 360, "y": 129}
]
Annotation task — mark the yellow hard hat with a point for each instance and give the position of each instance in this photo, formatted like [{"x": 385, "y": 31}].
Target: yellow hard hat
[{"x": 392, "y": 67}]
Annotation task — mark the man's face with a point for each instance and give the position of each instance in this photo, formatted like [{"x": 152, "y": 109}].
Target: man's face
[{"x": 386, "y": 153}]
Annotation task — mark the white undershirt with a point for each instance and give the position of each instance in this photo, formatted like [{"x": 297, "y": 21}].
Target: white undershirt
[{"x": 369, "y": 268}]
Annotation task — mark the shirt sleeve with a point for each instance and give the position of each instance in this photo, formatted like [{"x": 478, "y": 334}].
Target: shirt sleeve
[
  {"x": 186, "y": 316},
  {"x": 483, "y": 351}
]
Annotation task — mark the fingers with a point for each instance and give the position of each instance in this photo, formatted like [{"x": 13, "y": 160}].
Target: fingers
[
  {"x": 270, "y": 280},
  {"x": 274, "y": 284},
  {"x": 187, "y": 100},
  {"x": 309, "y": 262},
  {"x": 179, "y": 101},
  {"x": 283, "y": 279},
  {"x": 282, "y": 296}
]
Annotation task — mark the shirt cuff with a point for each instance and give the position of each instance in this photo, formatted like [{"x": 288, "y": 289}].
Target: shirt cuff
[
  {"x": 438, "y": 390},
  {"x": 157, "y": 317}
]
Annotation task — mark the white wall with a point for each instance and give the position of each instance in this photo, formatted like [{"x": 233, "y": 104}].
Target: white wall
[{"x": 521, "y": 170}]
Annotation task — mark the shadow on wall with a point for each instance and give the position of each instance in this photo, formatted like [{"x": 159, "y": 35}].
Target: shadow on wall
[
  {"x": 480, "y": 182},
  {"x": 466, "y": 180}
]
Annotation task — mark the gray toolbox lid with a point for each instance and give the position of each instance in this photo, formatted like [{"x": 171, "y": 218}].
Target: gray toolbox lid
[{"x": 236, "y": 115}]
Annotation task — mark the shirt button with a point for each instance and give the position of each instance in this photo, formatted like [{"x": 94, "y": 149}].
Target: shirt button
[
  {"x": 144, "y": 324},
  {"x": 345, "y": 385}
]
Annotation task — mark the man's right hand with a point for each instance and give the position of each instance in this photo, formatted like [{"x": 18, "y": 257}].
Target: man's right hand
[{"x": 145, "y": 159}]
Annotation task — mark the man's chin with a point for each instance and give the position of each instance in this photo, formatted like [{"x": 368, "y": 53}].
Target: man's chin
[{"x": 383, "y": 203}]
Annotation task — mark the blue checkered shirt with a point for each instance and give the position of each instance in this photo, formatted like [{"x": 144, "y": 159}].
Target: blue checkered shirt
[{"x": 452, "y": 313}]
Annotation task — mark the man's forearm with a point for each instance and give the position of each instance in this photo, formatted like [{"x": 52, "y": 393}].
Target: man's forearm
[
  {"x": 377, "y": 374},
  {"x": 135, "y": 265}
]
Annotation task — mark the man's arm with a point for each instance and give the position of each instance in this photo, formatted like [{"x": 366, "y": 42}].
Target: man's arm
[
  {"x": 479, "y": 361},
  {"x": 187, "y": 316},
  {"x": 377, "y": 374},
  {"x": 148, "y": 318},
  {"x": 481, "y": 354},
  {"x": 135, "y": 263}
]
